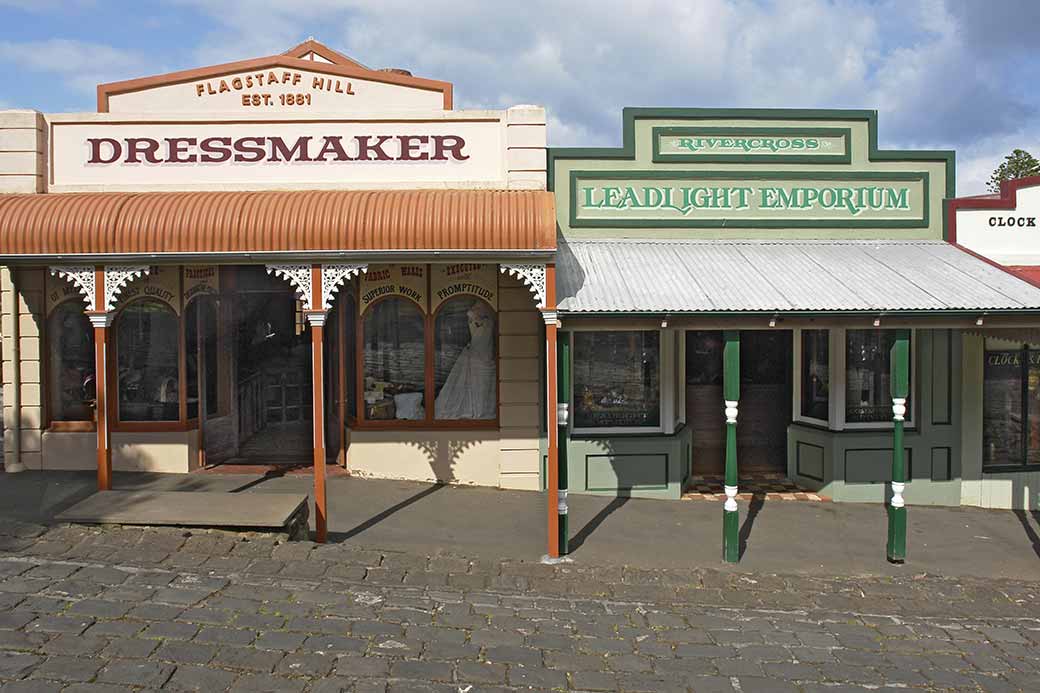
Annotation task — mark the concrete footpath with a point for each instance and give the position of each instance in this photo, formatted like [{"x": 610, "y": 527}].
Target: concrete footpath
[{"x": 782, "y": 537}]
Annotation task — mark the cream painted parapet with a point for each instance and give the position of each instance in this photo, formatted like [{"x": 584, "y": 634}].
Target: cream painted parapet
[
  {"x": 22, "y": 152},
  {"x": 525, "y": 148}
]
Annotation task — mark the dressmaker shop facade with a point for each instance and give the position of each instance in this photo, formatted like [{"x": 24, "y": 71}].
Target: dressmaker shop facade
[{"x": 292, "y": 259}]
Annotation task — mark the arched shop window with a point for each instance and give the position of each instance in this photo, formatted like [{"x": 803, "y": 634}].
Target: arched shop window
[
  {"x": 394, "y": 342},
  {"x": 200, "y": 330},
  {"x": 465, "y": 362},
  {"x": 147, "y": 357},
  {"x": 70, "y": 359}
]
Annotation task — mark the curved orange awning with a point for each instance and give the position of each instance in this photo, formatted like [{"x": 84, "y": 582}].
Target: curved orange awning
[{"x": 228, "y": 223}]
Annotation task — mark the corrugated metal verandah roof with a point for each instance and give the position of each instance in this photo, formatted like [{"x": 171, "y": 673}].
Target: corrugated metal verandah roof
[
  {"x": 123, "y": 223},
  {"x": 680, "y": 276}
]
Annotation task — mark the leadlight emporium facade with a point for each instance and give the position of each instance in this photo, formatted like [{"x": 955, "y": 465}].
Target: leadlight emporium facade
[
  {"x": 754, "y": 291},
  {"x": 291, "y": 260}
]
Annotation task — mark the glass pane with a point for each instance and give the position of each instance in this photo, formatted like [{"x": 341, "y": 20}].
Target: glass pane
[
  {"x": 704, "y": 357},
  {"x": 70, "y": 350},
  {"x": 868, "y": 398},
  {"x": 1002, "y": 407},
  {"x": 147, "y": 343},
  {"x": 816, "y": 374},
  {"x": 394, "y": 366},
  {"x": 1033, "y": 409},
  {"x": 465, "y": 367},
  {"x": 191, "y": 357},
  {"x": 212, "y": 360},
  {"x": 617, "y": 379}
]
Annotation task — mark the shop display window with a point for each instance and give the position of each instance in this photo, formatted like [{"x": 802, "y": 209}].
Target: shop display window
[
  {"x": 70, "y": 359},
  {"x": 200, "y": 327},
  {"x": 465, "y": 364},
  {"x": 617, "y": 379},
  {"x": 815, "y": 374},
  {"x": 1011, "y": 409},
  {"x": 868, "y": 397},
  {"x": 147, "y": 336},
  {"x": 394, "y": 368}
]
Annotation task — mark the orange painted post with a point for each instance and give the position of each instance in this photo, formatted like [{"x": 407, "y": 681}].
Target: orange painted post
[
  {"x": 316, "y": 317},
  {"x": 552, "y": 470},
  {"x": 101, "y": 319}
]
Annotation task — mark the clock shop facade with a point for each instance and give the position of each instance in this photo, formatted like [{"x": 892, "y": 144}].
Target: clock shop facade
[
  {"x": 747, "y": 292},
  {"x": 292, "y": 259}
]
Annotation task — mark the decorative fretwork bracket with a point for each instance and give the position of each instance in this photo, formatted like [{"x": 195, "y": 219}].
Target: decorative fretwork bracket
[
  {"x": 117, "y": 277},
  {"x": 300, "y": 278},
  {"x": 82, "y": 277},
  {"x": 531, "y": 275},
  {"x": 335, "y": 275}
]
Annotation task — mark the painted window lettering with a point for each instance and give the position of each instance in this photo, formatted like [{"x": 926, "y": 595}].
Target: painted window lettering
[{"x": 215, "y": 150}]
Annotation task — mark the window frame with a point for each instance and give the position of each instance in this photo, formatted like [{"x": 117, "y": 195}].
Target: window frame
[
  {"x": 182, "y": 423},
  {"x": 796, "y": 380},
  {"x": 837, "y": 361},
  {"x": 1025, "y": 465},
  {"x": 666, "y": 389},
  {"x": 84, "y": 425},
  {"x": 223, "y": 405},
  {"x": 429, "y": 422}
]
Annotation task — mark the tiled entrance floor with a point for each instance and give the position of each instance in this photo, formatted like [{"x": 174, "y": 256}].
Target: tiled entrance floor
[{"x": 767, "y": 486}]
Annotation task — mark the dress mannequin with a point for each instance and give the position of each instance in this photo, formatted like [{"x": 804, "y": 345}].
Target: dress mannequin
[{"x": 469, "y": 392}]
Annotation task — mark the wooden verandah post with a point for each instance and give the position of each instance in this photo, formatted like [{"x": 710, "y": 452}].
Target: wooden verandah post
[
  {"x": 900, "y": 386},
  {"x": 731, "y": 396},
  {"x": 316, "y": 317},
  {"x": 101, "y": 319},
  {"x": 554, "y": 506}
]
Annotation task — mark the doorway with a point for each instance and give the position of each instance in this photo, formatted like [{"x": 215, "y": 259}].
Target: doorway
[
  {"x": 274, "y": 370},
  {"x": 765, "y": 401}
]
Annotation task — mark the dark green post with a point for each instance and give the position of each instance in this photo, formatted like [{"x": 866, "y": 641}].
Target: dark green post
[
  {"x": 731, "y": 395},
  {"x": 563, "y": 391},
  {"x": 900, "y": 386}
]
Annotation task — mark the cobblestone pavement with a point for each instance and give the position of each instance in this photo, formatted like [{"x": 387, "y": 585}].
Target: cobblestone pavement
[{"x": 114, "y": 609}]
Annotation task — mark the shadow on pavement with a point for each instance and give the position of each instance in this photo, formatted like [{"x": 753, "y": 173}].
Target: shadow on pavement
[
  {"x": 757, "y": 501},
  {"x": 578, "y": 539},
  {"x": 376, "y": 519},
  {"x": 1023, "y": 517}
]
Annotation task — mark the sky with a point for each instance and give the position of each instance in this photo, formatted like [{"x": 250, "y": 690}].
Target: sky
[{"x": 942, "y": 74}]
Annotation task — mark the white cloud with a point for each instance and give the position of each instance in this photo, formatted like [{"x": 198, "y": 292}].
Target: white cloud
[{"x": 80, "y": 65}]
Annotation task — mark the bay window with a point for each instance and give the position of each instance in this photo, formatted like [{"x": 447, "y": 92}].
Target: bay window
[
  {"x": 815, "y": 374},
  {"x": 868, "y": 394}
]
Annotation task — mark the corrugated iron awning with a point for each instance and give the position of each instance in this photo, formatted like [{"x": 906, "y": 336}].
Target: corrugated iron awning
[
  {"x": 229, "y": 223},
  {"x": 648, "y": 276}
]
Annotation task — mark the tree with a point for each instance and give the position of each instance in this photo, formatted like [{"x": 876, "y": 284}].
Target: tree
[{"x": 1017, "y": 164}]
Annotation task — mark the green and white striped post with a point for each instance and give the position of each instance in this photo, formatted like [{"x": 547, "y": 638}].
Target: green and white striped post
[
  {"x": 731, "y": 395},
  {"x": 900, "y": 386},
  {"x": 563, "y": 390}
]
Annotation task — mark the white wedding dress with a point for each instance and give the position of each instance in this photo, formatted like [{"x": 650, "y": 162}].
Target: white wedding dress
[{"x": 469, "y": 392}]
